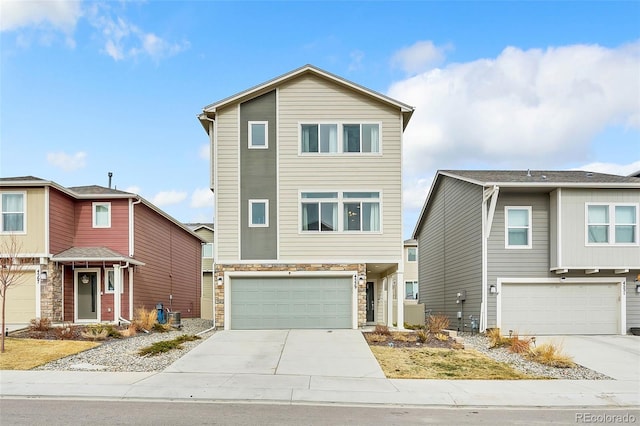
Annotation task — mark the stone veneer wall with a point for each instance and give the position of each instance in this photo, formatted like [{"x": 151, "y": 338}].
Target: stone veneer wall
[
  {"x": 220, "y": 269},
  {"x": 51, "y": 293}
]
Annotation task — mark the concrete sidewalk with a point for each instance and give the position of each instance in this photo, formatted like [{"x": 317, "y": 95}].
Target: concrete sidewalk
[{"x": 301, "y": 389}]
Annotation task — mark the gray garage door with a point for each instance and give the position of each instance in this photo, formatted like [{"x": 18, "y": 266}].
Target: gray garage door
[
  {"x": 276, "y": 303},
  {"x": 547, "y": 309}
]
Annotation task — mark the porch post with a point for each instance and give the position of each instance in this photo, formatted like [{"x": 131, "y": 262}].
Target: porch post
[
  {"x": 389, "y": 282},
  {"x": 400, "y": 293},
  {"x": 117, "y": 286}
]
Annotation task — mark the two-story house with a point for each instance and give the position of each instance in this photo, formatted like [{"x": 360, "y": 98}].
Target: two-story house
[
  {"x": 205, "y": 231},
  {"x": 533, "y": 252},
  {"x": 306, "y": 170},
  {"x": 95, "y": 254}
]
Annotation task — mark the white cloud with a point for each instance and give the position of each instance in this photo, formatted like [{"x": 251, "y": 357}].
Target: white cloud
[
  {"x": 415, "y": 191},
  {"x": 124, "y": 40},
  {"x": 611, "y": 168},
  {"x": 165, "y": 198},
  {"x": 67, "y": 162},
  {"x": 532, "y": 108},
  {"x": 420, "y": 57},
  {"x": 133, "y": 189},
  {"x": 202, "y": 197},
  {"x": 204, "y": 152},
  {"x": 57, "y": 14}
]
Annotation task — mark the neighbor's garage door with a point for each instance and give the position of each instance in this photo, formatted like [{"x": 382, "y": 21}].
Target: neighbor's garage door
[
  {"x": 21, "y": 299},
  {"x": 276, "y": 303},
  {"x": 561, "y": 308}
]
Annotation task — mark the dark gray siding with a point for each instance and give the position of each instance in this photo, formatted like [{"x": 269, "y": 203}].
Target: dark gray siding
[
  {"x": 450, "y": 254},
  {"x": 518, "y": 263},
  {"x": 258, "y": 179}
]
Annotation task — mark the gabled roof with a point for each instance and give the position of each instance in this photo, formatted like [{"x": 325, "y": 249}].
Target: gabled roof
[
  {"x": 524, "y": 179},
  {"x": 89, "y": 192},
  {"x": 196, "y": 226},
  {"x": 209, "y": 111},
  {"x": 93, "y": 254}
]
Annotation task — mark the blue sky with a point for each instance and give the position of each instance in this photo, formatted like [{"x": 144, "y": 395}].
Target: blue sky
[{"x": 92, "y": 87}]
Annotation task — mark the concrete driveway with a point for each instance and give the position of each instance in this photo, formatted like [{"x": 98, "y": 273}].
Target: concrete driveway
[
  {"x": 616, "y": 356},
  {"x": 330, "y": 353}
]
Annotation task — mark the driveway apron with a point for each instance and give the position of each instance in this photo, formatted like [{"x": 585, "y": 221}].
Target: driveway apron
[{"x": 330, "y": 353}]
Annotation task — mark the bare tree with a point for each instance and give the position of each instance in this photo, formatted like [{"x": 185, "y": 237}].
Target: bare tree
[{"x": 11, "y": 267}]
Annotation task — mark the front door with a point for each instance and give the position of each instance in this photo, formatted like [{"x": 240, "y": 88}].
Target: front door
[
  {"x": 370, "y": 303},
  {"x": 87, "y": 302}
]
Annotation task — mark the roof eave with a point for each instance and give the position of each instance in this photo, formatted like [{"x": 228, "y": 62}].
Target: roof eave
[{"x": 98, "y": 259}]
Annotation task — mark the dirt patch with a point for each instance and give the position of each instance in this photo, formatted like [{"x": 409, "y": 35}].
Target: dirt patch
[{"x": 65, "y": 332}]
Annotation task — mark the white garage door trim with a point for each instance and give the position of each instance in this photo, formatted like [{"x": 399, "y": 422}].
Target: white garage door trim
[
  {"x": 621, "y": 282},
  {"x": 283, "y": 274}
]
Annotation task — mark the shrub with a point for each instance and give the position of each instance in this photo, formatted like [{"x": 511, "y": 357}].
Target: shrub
[
  {"x": 496, "y": 339},
  {"x": 161, "y": 328},
  {"x": 519, "y": 345},
  {"x": 40, "y": 324},
  {"x": 422, "y": 335},
  {"x": 403, "y": 336},
  {"x": 64, "y": 332},
  {"x": 108, "y": 330},
  {"x": 436, "y": 323},
  {"x": 375, "y": 338},
  {"x": 167, "y": 345},
  {"x": 130, "y": 331},
  {"x": 412, "y": 326},
  {"x": 382, "y": 330},
  {"x": 145, "y": 319},
  {"x": 551, "y": 354},
  {"x": 442, "y": 337},
  {"x": 94, "y": 334}
]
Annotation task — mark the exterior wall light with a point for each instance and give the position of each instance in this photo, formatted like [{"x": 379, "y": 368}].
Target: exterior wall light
[
  {"x": 361, "y": 279},
  {"x": 637, "y": 287},
  {"x": 43, "y": 276},
  {"x": 493, "y": 289},
  {"x": 220, "y": 280}
]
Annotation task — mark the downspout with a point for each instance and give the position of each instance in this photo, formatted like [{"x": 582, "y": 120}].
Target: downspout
[
  {"x": 117, "y": 293},
  {"x": 487, "y": 221}
]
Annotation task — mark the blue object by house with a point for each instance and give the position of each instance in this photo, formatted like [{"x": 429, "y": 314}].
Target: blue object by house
[{"x": 160, "y": 308}]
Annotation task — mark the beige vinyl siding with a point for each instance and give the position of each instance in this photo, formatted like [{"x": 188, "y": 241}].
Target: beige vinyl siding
[
  {"x": 33, "y": 242},
  {"x": 206, "y": 300},
  {"x": 518, "y": 263},
  {"x": 633, "y": 300},
  {"x": 311, "y": 99},
  {"x": 226, "y": 186},
  {"x": 575, "y": 252}
]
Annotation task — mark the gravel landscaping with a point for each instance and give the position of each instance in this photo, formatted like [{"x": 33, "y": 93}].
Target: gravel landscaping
[
  {"x": 481, "y": 344},
  {"x": 122, "y": 354}
]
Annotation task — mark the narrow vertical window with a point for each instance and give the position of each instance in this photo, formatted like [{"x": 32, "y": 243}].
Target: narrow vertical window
[
  {"x": 518, "y": 227},
  {"x": 412, "y": 254},
  {"x": 207, "y": 250},
  {"x": 102, "y": 215},
  {"x": 258, "y": 135},
  {"x": 598, "y": 224},
  {"x": 259, "y": 213}
]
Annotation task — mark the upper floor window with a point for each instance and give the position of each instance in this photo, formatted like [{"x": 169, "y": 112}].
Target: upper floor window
[
  {"x": 412, "y": 254},
  {"x": 13, "y": 212},
  {"x": 340, "y": 211},
  {"x": 612, "y": 224},
  {"x": 102, "y": 215},
  {"x": 259, "y": 213},
  {"x": 340, "y": 138},
  {"x": 258, "y": 135},
  {"x": 518, "y": 227},
  {"x": 207, "y": 250}
]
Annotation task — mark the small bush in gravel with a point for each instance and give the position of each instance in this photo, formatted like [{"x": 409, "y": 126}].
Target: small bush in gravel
[
  {"x": 436, "y": 323},
  {"x": 496, "y": 339},
  {"x": 383, "y": 330},
  {"x": 145, "y": 319},
  {"x": 166, "y": 345},
  {"x": 551, "y": 354},
  {"x": 64, "y": 332},
  {"x": 422, "y": 335},
  {"x": 40, "y": 324},
  {"x": 95, "y": 334},
  {"x": 519, "y": 345}
]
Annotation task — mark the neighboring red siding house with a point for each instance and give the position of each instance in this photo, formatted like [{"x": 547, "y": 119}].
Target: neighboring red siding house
[{"x": 106, "y": 253}]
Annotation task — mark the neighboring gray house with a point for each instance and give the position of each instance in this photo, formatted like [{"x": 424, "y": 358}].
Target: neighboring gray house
[
  {"x": 306, "y": 171},
  {"x": 537, "y": 252}
]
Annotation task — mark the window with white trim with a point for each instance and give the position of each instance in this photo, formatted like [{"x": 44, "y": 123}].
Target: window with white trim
[
  {"x": 340, "y": 211},
  {"x": 13, "y": 212},
  {"x": 517, "y": 227},
  {"x": 102, "y": 215},
  {"x": 258, "y": 213},
  {"x": 612, "y": 224},
  {"x": 207, "y": 250},
  {"x": 109, "y": 283},
  {"x": 411, "y": 290},
  {"x": 333, "y": 138},
  {"x": 258, "y": 134},
  {"x": 412, "y": 254}
]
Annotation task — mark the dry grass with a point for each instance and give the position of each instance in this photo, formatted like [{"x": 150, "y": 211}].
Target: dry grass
[
  {"x": 519, "y": 345},
  {"x": 403, "y": 336},
  {"x": 25, "y": 354},
  {"x": 145, "y": 319},
  {"x": 95, "y": 334},
  {"x": 381, "y": 329},
  {"x": 40, "y": 324},
  {"x": 496, "y": 339},
  {"x": 422, "y": 335},
  {"x": 130, "y": 331},
  {"x": 551, "y": 354},
  {"x": 436, "y": 323},
  {"x": 431, "y": 363}
]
